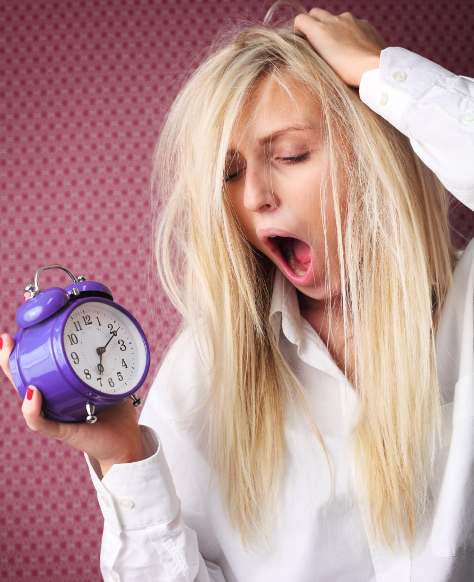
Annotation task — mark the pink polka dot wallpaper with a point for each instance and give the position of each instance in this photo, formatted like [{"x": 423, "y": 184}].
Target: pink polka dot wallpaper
[{"x": 84, "y": 87}]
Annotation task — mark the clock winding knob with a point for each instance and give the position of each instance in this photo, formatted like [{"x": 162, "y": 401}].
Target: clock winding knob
[{"x": 90, "y": 411}]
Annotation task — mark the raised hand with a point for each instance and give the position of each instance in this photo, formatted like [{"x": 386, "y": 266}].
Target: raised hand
[{"x": 348, "y": 45}]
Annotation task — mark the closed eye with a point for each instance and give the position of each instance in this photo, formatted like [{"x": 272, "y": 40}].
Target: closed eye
[
  {"x": 228, "y": 178},
  {"x": 296, "y": 159},
  {"x": 293, "y": 160}
]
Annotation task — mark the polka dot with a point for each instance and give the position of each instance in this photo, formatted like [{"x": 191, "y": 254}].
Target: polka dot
[{"x": 84, "y": 91}]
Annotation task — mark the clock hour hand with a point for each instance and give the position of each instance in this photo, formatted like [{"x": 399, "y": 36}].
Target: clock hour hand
[{"x": 100, "y": 367}]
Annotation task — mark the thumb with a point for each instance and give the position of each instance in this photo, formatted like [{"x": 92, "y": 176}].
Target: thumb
[{"x": 31, "y": 409}]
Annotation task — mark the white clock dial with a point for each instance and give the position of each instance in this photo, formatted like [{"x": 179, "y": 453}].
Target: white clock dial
[{"x": 104, "y": 347}]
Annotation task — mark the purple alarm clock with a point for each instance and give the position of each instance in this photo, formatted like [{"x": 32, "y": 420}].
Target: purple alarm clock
[{"x": 83, "y": 351}]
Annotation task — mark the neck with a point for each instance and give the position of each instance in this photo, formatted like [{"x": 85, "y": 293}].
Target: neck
[
  {"x": 330, "y": 328},
  {"x": 320, "y": 308}
]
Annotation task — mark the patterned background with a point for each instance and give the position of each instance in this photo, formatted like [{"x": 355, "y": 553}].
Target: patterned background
[{"x": 84, "y": 86}]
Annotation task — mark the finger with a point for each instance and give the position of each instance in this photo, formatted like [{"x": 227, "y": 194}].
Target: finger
[
  {"x": 347, "y": 16},
  {"x": 6, "y": 348},
  {"x": 31, "y": 409},
  {"x": 305, "y": 24},
  {"x": 321, "y": 14}
]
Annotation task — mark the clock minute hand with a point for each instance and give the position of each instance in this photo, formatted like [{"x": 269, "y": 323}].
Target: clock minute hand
[
  {"x": 114, "y": 334},
  {"x": 100, "y": 351}
]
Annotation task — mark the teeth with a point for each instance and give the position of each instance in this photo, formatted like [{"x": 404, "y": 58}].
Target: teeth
[
  {"x": 272, "y": 236},
  {"x": 286, "y": 247},
  {"x": 296, "y": 270}
]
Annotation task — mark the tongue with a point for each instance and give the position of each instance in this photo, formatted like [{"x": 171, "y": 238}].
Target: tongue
[{"x": 302, "y": 251}]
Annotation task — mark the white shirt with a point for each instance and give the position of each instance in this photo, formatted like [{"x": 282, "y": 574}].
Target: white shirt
[{"x": 169, "y": 524}]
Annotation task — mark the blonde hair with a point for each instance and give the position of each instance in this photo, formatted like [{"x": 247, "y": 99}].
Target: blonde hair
[{"x": 396, "y": 264}]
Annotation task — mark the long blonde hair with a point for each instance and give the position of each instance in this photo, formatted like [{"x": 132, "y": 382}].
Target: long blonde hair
[{"x": 396, "y": 264}]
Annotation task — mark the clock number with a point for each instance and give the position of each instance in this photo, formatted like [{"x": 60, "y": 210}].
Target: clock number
[
  {"x": 119, "y": 376},
  {"x": 87, "y": 374},
  {"x": 124, "y": 364},
  {"x": 73, "y": 339},
  {"x": 75, "y": 357},
  {"x": 100, "y": 380},
  {"x": 87, "y": 319},
  {"x": 77, "y": 325},
  {"x": 111, "y": 327},
  {"x": 111, "y": 383},
  {"x": 122, "y": 345}
]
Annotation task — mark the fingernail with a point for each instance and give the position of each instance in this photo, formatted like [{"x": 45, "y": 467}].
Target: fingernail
[
  {"x": 29, "y": 393},
  {"x": 1, "y": 343}
]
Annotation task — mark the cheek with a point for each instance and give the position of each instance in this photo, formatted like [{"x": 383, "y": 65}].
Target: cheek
[
  {"x": 317, "y": 211},
  {"x": 244, "y": 217}
]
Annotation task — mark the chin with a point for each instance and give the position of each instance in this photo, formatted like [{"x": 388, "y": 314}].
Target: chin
[{"x": 319, "y": 291}]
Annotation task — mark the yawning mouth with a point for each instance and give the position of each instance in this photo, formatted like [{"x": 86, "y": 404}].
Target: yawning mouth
[{"x": 294, "y": 255}]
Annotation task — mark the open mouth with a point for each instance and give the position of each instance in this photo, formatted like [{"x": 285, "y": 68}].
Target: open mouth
[
  {"x": 294, "y": 256},
  {"x": 296, "y": 253}
]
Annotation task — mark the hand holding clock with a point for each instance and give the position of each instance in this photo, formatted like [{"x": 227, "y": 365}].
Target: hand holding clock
[{"x": 115, "y": 439}]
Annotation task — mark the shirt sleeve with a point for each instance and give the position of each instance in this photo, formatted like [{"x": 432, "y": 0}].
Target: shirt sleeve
[
  {"x": 155, "y": 527},
  {"x": 433, "y": 108}
]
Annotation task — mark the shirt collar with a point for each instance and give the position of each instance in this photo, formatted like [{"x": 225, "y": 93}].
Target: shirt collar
[
  {"x": 285, "y": 310},
  {"x": 285, "y": 316}
]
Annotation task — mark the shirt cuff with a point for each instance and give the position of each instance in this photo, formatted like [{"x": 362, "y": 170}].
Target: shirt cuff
[
  {"x": 401, "y": 78},
  {"x": 135, "y": 495}
]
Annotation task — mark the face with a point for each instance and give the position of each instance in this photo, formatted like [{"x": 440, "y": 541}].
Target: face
[{"x": 274, "y": 181}]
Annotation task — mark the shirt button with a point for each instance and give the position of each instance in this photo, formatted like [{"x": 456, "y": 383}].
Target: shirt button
[
  {"x": 105, "y": 501},
  {"x": 126, "y": 502},
  {"x": 383, "y": 98},
  {"x": 399, "y": 76},
  {"x": 468, "y": 116},
  {"x": 113, "y": 576}
]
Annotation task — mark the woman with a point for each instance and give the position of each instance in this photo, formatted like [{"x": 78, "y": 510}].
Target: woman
[{"x": 306, "y": 407}]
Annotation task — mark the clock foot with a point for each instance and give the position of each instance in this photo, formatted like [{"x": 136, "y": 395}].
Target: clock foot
[
  {"x": 136, "y": 401},
  {"x": 90, "y": 411}
]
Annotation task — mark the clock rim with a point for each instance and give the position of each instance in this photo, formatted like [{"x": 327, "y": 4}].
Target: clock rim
[{"x": 63, "y": 362}]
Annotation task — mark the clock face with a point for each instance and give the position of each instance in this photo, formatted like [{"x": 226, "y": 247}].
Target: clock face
[{"x": 104, "y": 347}]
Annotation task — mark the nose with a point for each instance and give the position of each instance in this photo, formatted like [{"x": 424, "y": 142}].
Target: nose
[{"x": 259, "y": 194}]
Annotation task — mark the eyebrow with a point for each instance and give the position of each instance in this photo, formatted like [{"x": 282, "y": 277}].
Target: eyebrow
[{"x": 275, "y": 135}]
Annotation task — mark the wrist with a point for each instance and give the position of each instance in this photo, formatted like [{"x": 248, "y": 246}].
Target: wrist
[
  {"x": 370, "y": 63},
  {"x": 134, "y": 457}
]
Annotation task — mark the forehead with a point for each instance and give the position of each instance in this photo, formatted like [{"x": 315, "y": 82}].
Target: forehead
[{"x": 275, "y": 102}]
